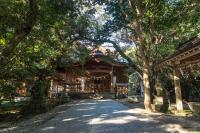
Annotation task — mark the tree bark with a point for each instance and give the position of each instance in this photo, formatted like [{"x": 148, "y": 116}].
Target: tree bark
[
  {"x": 21, "y": 32},
  {"x": 147, "y": 92},
  {"x": 145, "y": 58}
]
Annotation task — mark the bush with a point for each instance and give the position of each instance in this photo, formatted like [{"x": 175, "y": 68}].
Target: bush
[
  {"x": 38, "y": 102},
  {"x": 8, "y": 90}
]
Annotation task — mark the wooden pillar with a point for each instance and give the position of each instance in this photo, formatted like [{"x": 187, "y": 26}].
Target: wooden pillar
[
  {"x": 177, "y": 85},
  {"x": 82, "y": 84},
  {"x": 82, "y": 79},
  {"x": 51, "y": 88},
  {"x": 112, "y": 85},
  {"x": 111, "y": 80}
]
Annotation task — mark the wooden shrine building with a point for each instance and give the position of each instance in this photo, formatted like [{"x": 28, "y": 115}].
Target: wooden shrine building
[
  {"x": 186, "y": 57},
  {"x": 99, "y": 73}
]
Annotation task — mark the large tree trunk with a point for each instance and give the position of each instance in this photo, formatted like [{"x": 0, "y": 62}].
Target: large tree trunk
[
  {"x": 144, "y": 55},
  {"x": 39, "y": 94},
  {"x": 147, "y": 92}
]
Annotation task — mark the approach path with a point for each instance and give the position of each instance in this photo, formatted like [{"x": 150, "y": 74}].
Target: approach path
[{"x": 109, "y": 116}]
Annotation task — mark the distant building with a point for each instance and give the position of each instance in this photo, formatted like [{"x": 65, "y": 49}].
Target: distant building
[{"x": 100, "y": 73}]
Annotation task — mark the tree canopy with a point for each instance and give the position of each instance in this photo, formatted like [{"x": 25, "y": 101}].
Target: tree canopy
[{"x": 36, "y": 35}]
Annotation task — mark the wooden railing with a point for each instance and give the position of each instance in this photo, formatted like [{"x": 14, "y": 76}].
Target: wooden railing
[{"x": 122, "y": 89}]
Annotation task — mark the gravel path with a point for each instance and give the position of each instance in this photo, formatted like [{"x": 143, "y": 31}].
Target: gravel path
[
  {"x": 27, "y": 126},
  {"x": 108, "y": 116}
]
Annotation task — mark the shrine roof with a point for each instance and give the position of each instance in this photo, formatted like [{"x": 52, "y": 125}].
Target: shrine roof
[
  {"x": 187, "y": 51},
  {"x": 102, "y": 58}
]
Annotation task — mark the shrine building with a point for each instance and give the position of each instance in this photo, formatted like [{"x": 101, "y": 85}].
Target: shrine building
[{"x": 99, "y": 73}]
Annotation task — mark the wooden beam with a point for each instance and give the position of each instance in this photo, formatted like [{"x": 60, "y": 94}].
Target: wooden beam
[
  {"x": 97, "y": 67},
  {"x": 190, "y": 62},
  {"x": 187, "y": 54},
  {"x": 192, "y": 52},
  {"x": 98, "y": 71}
]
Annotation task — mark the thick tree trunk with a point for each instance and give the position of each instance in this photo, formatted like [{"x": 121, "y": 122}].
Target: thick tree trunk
[
  {"x": 144, "y": 55},
  {"x": 39, "y": 94},
  {"x": 147, "y": 92}
]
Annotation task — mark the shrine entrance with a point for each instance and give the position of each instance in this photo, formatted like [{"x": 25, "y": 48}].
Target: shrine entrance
[{"x": 100, "y": 82}]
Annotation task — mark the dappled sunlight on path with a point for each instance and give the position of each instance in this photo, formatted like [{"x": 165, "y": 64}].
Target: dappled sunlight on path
[{"x": 108, "y": 116}]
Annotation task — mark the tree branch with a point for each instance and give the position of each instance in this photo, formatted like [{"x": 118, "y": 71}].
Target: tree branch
[{"x": 22, "y": 31}]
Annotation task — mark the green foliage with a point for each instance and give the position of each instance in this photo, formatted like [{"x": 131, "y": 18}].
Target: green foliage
[
  {"x": 164, "y": 23},
  {"x": 49, "y": 39},
  {"x": 8, "y": 89},
  {"x": 57, "y": 36},
  {"x": 54, "y": 36},
  {"x": 162, "y": 26}
]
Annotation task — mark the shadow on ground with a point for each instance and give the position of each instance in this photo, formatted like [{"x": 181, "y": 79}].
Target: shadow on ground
[{"x": 108, "y": 116}]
